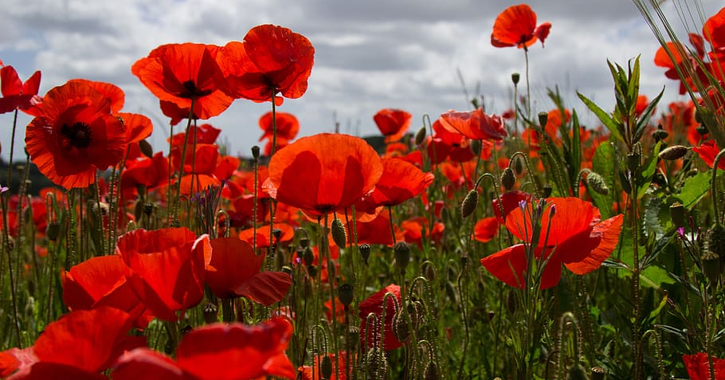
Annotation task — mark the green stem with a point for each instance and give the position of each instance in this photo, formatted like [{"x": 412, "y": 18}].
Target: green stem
[
  {"x": 12, "y": 147},
  {"x": 175, "y": 212},
  {"x": 713, "y": 185}
]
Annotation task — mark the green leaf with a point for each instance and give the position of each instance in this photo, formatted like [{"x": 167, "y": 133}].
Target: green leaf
[
  {"x": 613, "y": 126},
  {"x": 654, "y": 313},
  {"x": 655, "y": 277},
  {"x": 657, "y": 219},
  {"x": 647, "y": 172},
  {"x": 645, "y": 116},
  {"x": 693, "y": 190},
  {"x": 603, "y": 164}
]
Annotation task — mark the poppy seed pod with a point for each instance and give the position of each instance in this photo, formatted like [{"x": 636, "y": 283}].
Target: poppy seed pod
[
  {"x": 715, "y": 240},
  {"x": 476, "y": 147},
  {"x": 673, "y": 153},
  {"x": 711, "y": 265},
  {"x": 515, "y": 78},
  {"x": 308, "y": 257},
  {"x": 659, "y": 135},
  {"x": 345, "y": 294},
  {"x": 597, "y": 183},
  {"x": 338, "y": 233},
  {"x": 365, "y": 252},
  {"x": 597, "y": 373},
  {"x": 146, "y": 148},
  {"x": 210, "y": 312},
  {"x": 677, "y": 214},
  {"x": 401, "y": 251},
  {"x": 255, "y": 152},
  {"x": 420, "y": 135},
  {"x": 508, "y": 179},
  {"x": 468, "y": 206},
  {"x": 543, "y": 119},
  {"x": 546, "y": 191}
]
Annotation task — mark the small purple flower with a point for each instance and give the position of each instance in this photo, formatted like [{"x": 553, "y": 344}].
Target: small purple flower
[
  {"x": 522, "y": 204},
  {"x": 3, "y": 189},
  {"x": 681, "y": 232}
]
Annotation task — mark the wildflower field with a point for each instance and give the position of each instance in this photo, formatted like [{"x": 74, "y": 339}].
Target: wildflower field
[{"x": 480, "y": 243}]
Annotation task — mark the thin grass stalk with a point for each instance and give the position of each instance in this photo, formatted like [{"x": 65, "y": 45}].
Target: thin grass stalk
[{"x": 176, "y": 201}]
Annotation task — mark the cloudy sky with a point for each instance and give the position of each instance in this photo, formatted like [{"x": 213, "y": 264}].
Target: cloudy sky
[{"x": 369, "y": 54}]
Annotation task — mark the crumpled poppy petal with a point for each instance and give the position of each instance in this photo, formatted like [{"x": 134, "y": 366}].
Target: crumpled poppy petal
[
  {"x": 266, "y": 288},
  {"x": 146, "y": 364}
]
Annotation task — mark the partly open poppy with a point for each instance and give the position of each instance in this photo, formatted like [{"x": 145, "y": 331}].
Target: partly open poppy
[
  {"x": 19, "y": 95},
  {"x": 475, "y": 125},
  {"x": 233, "y": 271},
  {"x": 287, "y": 126},
  {"x": 392, "y": 123},
  {"x": 516, "y": 26},
  {"x": 323, "y": 173},
  {"x": 75, "y": 136},
  {"x": 271, "y": 60},
  {"x": 168, "y": 268},
  {"x": 182, "y": 73},
  {"x": 576, "y": 238}
]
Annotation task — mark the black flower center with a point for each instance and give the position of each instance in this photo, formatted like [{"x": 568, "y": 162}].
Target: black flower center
[
  {"x": 78, "y": 135},
  {"x": 193, "y": 91}
]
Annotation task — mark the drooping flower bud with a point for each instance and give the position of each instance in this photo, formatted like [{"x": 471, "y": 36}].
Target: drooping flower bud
[
  {"x": 597, "y": 183},
  {"x": 468, "y": 206},
  {"x": 326, "y": 367},
  {"x": 420, "y": 135},
  {"x": 674, "y": 152},
  {"x": 338, "y": 233},
  {"x": 508, "y": 179}
]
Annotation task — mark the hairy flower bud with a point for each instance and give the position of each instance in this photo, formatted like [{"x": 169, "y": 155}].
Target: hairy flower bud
[
  {"x": 326, "y": 367},
  {"x": 674, "y": 152},
  {"x": 597, "y": 183},
  {"x": 420, "y": 135},
  {"x": 338, "y": 233},
  {"x": 468, "y": 206},
  {"x": 508, "y": 179}
]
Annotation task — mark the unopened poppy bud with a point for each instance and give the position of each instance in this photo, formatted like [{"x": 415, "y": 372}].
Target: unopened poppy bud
[
  {"x": 517, "y": 163},
  {"x": 377, "y": 364},
  {"x": 308, "y": 256},
  {"x": 597, "y": 183},
  {"x": 326, "y": 367},
  {"x": 401, "y": 251},
  {"x": 633, "y": 161},
  {"x": 345, "y": 294},
  {"x": 210, "y": 312},
  {"x": 515, "y": 78},
  {"x": 312, "y": 270},
  {"x": 677, "y": 214},
  {"x": 146, "y": 148},
  {"x": 400, "y": 326},
  {"x": 715, "y": 240},
  {"x": 53, "y": 231},
  {"x": 701, "y": 129},
  {"x": 546, "y": 191},
  {"x": 420, "y": 135},
  {"x": 508, "y": 179},
  {"x": 673, "y": 153},
  {"x": 476, "y": 147},
  {"x": 255, "y": 152},
  {"x": 431, "y": 371},
  {"x": 543, "y": 119},
  {"x": 659, "y": 135},
  {"x": 338, "y": 233},
  {"x": 429, "y": 271},
  {"x": 365, "y": 252},
  {"x": 468, "y": 206}
]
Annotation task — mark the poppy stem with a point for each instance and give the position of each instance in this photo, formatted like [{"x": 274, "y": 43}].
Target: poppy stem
[
  {"x": 713, "y": 186},
  {"x": 528, "y": 87},
  {"x": 8, "y": 249},
  {"x": 274, "y": 145},
  {"x": 12, "y": 148},
  {"x": 175, "y": 211},
  {"x": 528, "y": 170},
  {"x": 330, "y": 279},
  {"x": 392, "y": 225}
]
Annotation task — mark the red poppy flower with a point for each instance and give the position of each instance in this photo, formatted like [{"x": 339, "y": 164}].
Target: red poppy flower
[
  {"x": 374, "y": 305},
  {"x": 149, "y": 172},
  {"x": 698, "y": 366},
  {"x": 707, "y": 152},
  {"x": 287, "y": 126},
  {"x": 168, "y": 268},
  {"x": 286, "y": 235},
  {"x": 485, "y": 229},
  {"x": 19, "y": 95},
  {"x": 88, "y": 340},
  {"x": 415, "y": 229},
  {"x": 510, "y": 201},
  {"x": 323, "y": 173},
  {"x": 180, "y": 73},
  {"x": 392, "y": 123},
  {"x": 75, "y": 136},
  {"x": 205, "y": 134},
  {"x": 271, "y": 60},
  {"x": 115, "y": 96},
  {"x": 236, "y": 351},
  {"x": 101, "y": 281},
  {"x": 233, "y": 271},
  {"x": 307, "y": 372},
  {"x": 399, "y": 182},
  {"x": 577, "y": 238},
  {"x": 516, "y": 26},
  {"x": 714, "y": 31},
  {"x": 475, "y": 125},
  {"x": 146, "y": 364}
]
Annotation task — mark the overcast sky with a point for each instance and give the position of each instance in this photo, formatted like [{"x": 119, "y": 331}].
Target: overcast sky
[{"x": 369, "y": 54}]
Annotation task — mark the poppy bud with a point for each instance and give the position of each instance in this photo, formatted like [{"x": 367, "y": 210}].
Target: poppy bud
[
  {"x": 597, "y": 183},
  {"x": 338, "y": 233},
  {"x": 508, "y": 179},
  {"x": 345, "y": 294},
  {"x": 255, "y": 152},
  {"x": 353, "y": 337},
  {"x": 518, "y": 165},
  {"x": 429, "y": 271},
  {"x": 308, "y": 257},
  {"x": 52, "y": 231},
  {"x": 431, "y": 371},
  {"x": 420, "y": 136},
  {"x": 543, "y": 119},
  {"x": 468, "y": 206},
  {"x": 673, "y": 153},
  {"x": 515, "y": 78},
  {"x": 476, "y": 147},
  {"x": 277, "y": 233},
  {"x": 146, "y": 148},
  {"x": 547, "y": 191},
  {"x": 312, "y": 270},
  {"x": 677, "y": 214},
  {"x": 400, "y": 326},
  {"x": 701, "y": 129},
  {"x": 210, "y": 313},
  {"x": 660, "y": 134},
  {"x": 365, "y": 252},
  {"x": 401, "y": 251},
  {"x": 715, "y": 241},
  {"x": 377, "y": 365},
  {"x": 326, "y": 367}
]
